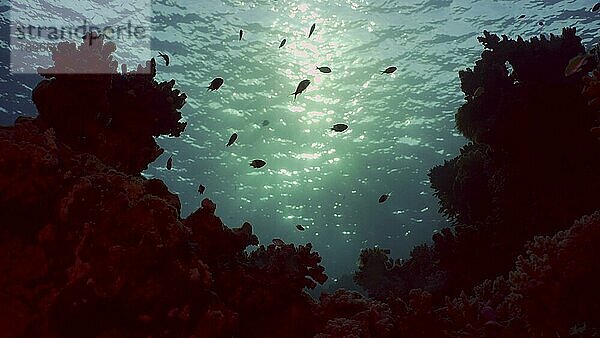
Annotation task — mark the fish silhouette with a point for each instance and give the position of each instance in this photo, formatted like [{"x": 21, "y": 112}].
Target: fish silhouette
[
  {"x": 389, "y": 70},
  {"x": 258, "y": 163},
  {"x": 312, "y": 29},
  {"x": 165, "y": 57},
  {"x": 301, "y": 87},
  {"x": 232, "y": 139},
  {"x": 339, "y": 127},
  {"x": 215, "y": 84}
]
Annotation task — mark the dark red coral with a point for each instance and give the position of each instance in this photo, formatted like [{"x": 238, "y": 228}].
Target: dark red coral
[
  {"x": 30, "y": 176},
  {"x": 214, "y": 239},
  {"x": 114, "y": 116},
  {"x": 90, "y": 248},
  {"x": 531, "y": 169},
  {"x": 348, "y": 314},
  {"x": 532, "y": 161}
]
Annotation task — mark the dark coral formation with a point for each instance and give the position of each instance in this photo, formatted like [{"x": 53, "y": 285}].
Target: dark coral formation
[
  {"x": 348, "y": 314},
  {"x": 90, "y": 248},
  {"x": 94, "y": 109},
  {"x": 529, "y": 170}
]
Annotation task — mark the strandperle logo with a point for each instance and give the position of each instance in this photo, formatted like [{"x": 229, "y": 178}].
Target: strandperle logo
[
  {"x": 36, "y": 29},
  {"x": 119, "y": 32}
]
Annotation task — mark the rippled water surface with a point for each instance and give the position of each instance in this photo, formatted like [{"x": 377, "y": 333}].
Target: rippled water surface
[{"x": 400, "y": 125}]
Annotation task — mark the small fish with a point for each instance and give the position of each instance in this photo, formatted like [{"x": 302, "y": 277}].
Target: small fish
[
  {"x": 300, "y": 227},
  {"x": 383, "y": 198},
  {"x": 576, "y": 63},
  {"x": 389, "y": 70},
  {"x": 541, "y": 23},
  {"x": 232, "y": 139},
  {"x": 241, "y": 34},
  {"x": 324, "y": 69},
  {"x": 478, "y": 92},
  {"x": 301, "y": 87},
  {"x": 165, "y": 57},
  {"x": 265, "y": 123},
  {"x": 258, "y": 163},
  {"x": 339, "y": 127},
  {"x": 522, "y": 16},
  {"x": 278, "y": 242},
  {"x": 201, "y": 189},
  {"x": 282, "y": 43},
  {"x": 596, "y": 7},
  {"x": 170, "y": 163},
  {"x": 215, "y": 84},
  {"x": 312, "y": 29}
]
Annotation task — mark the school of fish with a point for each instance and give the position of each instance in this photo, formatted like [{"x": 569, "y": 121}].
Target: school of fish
[{"x": 217, "y": 82}]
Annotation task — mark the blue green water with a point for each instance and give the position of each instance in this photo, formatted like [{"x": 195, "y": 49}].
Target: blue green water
[{"x": 400, "y": 125}]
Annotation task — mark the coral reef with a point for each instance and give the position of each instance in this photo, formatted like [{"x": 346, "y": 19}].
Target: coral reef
[
  {"x": 528, "y": 170},
  {"x": 94, "y": 109},
  {"x": 348, "y": 314},
  {"x": 90, "y": 248}
]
